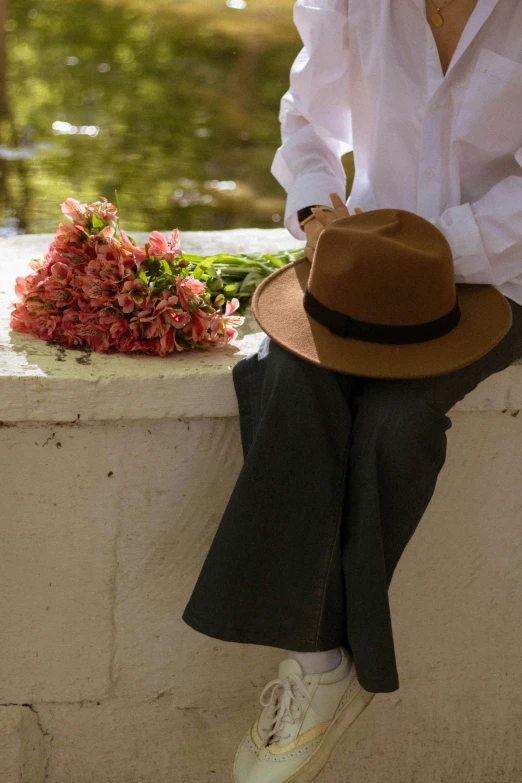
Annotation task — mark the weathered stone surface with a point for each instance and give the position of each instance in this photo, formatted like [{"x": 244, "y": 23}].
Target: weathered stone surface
[
  {"x": 164, "y": 534},
  {"x": 59, "y": 513},
  {"x": 24, "y": 750}
]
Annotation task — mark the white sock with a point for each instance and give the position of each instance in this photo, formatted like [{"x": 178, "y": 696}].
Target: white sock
[{"x": 317, "y": 662}]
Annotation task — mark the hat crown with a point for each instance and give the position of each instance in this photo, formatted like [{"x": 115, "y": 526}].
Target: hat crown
[{"x": 385, "y": 266}]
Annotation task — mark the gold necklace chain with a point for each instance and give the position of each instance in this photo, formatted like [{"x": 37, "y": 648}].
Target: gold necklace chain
[{"x": 436, "y": 19}]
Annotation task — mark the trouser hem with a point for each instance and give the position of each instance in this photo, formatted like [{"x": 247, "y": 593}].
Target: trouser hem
[
  {"x": 208, "y": 627},
  {"x": 379, "y": 686}
]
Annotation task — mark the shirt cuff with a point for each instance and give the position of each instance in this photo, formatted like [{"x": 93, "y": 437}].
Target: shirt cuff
[
  {"x": 470, "y": 259},
  {"x": 306, "y": 190}
]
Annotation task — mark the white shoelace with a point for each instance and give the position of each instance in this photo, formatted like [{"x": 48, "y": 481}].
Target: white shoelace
[{"x": 283, "y": 689}]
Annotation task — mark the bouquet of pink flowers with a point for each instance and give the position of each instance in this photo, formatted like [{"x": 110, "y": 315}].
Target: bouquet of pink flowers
[{"x": 97, "y": 287}]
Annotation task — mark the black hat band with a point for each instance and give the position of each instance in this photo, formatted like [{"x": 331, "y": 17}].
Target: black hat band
[{"x": 345, "y": 326}]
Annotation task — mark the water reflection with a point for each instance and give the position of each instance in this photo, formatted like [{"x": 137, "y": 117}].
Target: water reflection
[{"x": 174, "y": 105}]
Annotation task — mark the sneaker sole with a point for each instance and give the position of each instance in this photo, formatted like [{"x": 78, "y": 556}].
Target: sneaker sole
[{"x": 309, "y": 770}]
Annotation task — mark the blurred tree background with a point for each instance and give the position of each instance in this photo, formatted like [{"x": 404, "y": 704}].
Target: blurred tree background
[{"x": 173, "y": 104}]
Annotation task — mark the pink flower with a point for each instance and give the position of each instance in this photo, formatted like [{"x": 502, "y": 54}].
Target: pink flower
[
  {"x": 225, "y": 323},
  {"x": 138, "y": 254},
  {"x": 160, "y": 316},
  {"x": 168, "y": 343},
  {"x": 86, "y": 291},
  {"x": 99, "y": 291},
  {"x": 43, "y": 326},
  {"x": 190, "y": 290},
  {"x": 198, "y": 325},
  {"x": 95, "y": 334},
  {"x": 158, "y": 245},
  {"x": 105, "y": 211},
  {"x": 21, "y": 286},
  {"x": 67, "y": 232},
  {"x": 34, "y": 306},
  {"x": 133, "y": 293},
  {"x": 75, "y": 210},
  {"x": 174, "y": 242},
  {"x": 61, "y": 272},
  {"x": 58, "y": 294},
  {"x": 82, "y": 214},
  {"x": 129, "y": 342},
  {"x": 104, "y": 243},
  {"x": 160, "y": 248}
]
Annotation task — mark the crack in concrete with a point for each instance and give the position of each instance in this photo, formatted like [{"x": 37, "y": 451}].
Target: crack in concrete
[
  {"x": 101, "y": 702},
  {"x": 49, "y": 739},
  {"x": 113, "y": 679},
  {"x": 47, "y": 734}
]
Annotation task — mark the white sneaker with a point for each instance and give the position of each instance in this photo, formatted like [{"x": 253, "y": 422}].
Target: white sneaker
[{"x": 304, "y": 718}]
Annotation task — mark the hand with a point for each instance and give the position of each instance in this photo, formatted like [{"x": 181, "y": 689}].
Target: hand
[{"x": 314, "y": 228}]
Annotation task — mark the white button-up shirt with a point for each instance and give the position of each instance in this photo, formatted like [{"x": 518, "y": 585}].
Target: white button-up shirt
[{"x": 446, "y": 147}]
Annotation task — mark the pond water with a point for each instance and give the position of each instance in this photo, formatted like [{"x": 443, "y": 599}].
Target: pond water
[{"x": 168, "y": 106}]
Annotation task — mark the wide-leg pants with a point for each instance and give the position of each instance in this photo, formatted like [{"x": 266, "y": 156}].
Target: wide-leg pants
[{"x": 338, "y": 472}]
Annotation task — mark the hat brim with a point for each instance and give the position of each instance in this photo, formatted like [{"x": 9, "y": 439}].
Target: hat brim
[{"x": 277, "y": 306}]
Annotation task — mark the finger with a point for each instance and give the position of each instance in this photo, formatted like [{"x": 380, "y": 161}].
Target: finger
[
  {"x": 340, "y": 208},
  {"x": 320, "y": 216},
  {"x": 336, "y": 200}
]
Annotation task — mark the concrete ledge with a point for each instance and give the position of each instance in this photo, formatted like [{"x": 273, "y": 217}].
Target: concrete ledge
[{"x": 39, "y": 382}]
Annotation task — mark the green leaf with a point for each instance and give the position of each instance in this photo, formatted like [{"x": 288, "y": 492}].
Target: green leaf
[
  {"x": 97, "y": 222},
  {"x": 227, "y": 258},
  {"x": 207, "y": 261},
  {"x": 275, "y": 260},
  {"x": 165, "y": 266},
  {"x": 189, "y": 257},
  {"x": 237, "y": 271}
]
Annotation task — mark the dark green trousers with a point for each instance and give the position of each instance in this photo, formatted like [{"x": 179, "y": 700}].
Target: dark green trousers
[{"x": 338, "y": 472}]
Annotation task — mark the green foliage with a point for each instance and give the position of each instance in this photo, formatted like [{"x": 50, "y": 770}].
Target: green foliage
[
  {"x": 184, "y": 93},
  {"x": 232, "y": 275}
]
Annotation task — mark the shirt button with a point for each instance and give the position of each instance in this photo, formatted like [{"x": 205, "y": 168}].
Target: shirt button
[
  {"x": 433, "y": 109},
  {"x": 429, "y": 172},
  {"x": 430, "y": 45}
]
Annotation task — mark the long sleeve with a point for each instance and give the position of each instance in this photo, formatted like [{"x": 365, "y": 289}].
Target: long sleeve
[
  {"x": 486, "y": 236},
  {"x": 315, "y": 113}
]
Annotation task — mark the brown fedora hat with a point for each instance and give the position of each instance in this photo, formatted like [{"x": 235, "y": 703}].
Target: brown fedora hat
[{"x": 380, "y": 300}]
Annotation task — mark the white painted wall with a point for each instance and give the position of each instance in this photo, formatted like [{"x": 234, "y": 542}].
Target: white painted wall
[{"x": 103, "y": 531}]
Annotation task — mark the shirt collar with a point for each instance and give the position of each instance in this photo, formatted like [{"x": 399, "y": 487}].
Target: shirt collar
[{"x": 480, "y": 14}]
